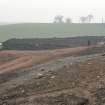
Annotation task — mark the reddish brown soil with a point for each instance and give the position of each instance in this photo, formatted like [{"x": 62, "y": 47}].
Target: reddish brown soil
[
  {"x": 74, "y": 84},
  {"x": 12, "y": 60}
]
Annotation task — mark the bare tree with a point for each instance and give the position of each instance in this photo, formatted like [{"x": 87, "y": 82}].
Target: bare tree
[
  {"x": 58, "y": 19},
  {"x": 83, "y": 19},
  {"x": 90, "y": 17},
  {"x": 68, "y": 20},
  {"x": 102, "y": 20}
]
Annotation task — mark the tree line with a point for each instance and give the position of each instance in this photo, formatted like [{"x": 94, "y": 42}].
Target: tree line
[{"x": 83, "y": 19}]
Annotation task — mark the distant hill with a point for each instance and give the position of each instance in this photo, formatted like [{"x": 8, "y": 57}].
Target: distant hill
[
  {"x": 45, "y": 30},
  {"x": 5, "y": 23}
]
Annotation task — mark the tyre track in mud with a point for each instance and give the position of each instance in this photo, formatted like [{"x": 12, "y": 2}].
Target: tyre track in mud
[{"x": 34, "y": 57}]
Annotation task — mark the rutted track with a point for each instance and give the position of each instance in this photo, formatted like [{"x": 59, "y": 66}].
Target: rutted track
[{"x": 29, "y": 58}]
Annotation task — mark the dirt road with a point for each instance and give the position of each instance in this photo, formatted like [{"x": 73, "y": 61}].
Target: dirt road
[{"x": 24, "y": 59}]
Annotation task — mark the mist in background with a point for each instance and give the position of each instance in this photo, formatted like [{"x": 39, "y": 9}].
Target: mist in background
[{"x": 44, "y": 11}]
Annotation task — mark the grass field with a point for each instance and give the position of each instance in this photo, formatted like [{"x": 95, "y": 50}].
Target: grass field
[{"x": 43, "y": 30}]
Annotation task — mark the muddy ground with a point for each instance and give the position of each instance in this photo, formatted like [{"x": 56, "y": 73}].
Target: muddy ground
[{"x": 66, "y": 80}]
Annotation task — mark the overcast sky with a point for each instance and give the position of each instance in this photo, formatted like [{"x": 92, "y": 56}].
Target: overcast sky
[{"x": 46, "y": 10}]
